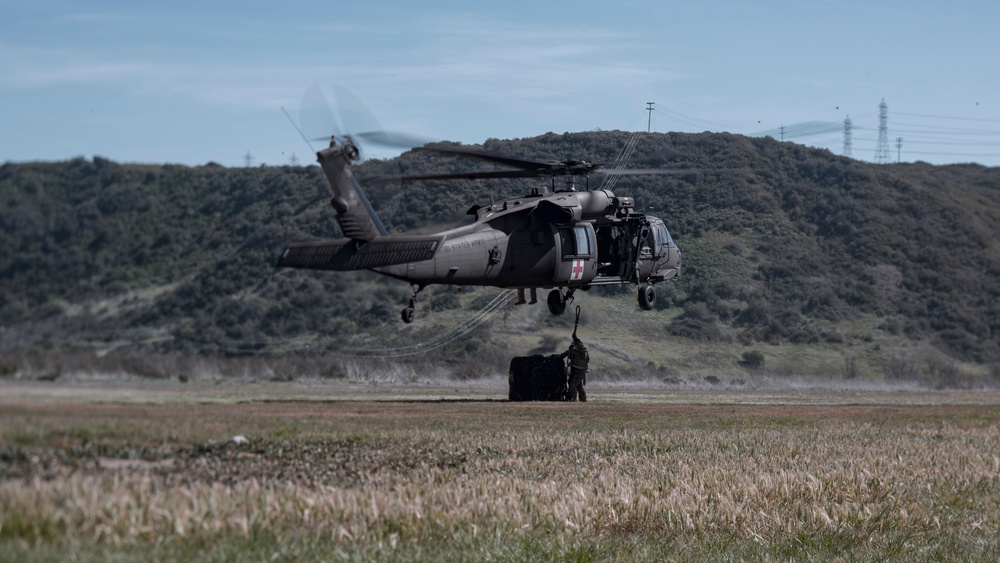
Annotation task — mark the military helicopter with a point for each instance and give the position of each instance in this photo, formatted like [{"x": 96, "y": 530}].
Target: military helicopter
[{"x": 554, "y": 237}]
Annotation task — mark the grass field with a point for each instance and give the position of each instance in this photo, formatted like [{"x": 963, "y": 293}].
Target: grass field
[{"x": 353, "y": 472}]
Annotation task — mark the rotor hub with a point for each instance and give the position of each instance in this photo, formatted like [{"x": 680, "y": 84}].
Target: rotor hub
[{"x": 350, "y": 151}]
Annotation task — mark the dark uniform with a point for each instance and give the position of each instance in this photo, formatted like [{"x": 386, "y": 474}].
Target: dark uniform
[{"x": 579, "y": 359}]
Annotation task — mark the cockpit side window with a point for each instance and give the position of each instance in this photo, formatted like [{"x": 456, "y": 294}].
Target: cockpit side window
[
  {"x": 667, "y": 239},
  {"x": 583, "y": 246},
  {"x": 661, "y": 237},
  {"x": 578, "y": 241}
]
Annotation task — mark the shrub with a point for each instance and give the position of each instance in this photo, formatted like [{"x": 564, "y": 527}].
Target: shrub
[
  {"x": 899, "y": 366},
  {"x": 752, "y": 359},
  {"x": 850, "y": 367},
  {"x": 697, "y": 322}
]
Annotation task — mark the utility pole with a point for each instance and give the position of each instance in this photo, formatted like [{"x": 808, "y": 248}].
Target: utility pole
[
  {"x": 649, "y": 121},
  {"x": 899, "y": 148},
  {"x": 782, "y": 129},
  {"x": 248, "y": 159},
  {"x": 848, "y": 135}
]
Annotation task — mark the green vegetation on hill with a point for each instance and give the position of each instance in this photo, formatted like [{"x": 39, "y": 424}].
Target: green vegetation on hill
[{"x": 782, "y": 244}]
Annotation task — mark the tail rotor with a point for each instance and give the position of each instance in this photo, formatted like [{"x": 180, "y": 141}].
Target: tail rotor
[{"x": 350, "y": 121}]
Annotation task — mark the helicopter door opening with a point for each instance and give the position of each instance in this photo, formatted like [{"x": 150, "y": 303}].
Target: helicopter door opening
[
  {"x": 578, "y": 251},
  {"x": 612, "y": 252}
]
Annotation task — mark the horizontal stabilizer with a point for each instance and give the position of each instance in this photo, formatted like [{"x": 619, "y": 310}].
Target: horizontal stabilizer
[{"x": 349, "y": 254}]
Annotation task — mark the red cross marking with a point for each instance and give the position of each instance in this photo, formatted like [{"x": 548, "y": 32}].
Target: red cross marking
[{"x": 577, "y": 270}]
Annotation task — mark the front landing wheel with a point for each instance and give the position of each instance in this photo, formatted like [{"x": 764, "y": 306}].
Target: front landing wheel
[
  {"x": 556, "y": 302},
  {"x": 647, "y": 297}
]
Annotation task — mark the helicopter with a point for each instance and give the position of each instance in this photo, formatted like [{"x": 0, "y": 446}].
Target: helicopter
[{"x": 554, "y": 237}]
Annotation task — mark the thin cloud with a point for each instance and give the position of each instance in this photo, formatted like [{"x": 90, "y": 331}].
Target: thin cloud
[
  {"x": 520, "y": 61},
  {"x": 46, "y": 67},
  {"x": 95, "y": 18}
]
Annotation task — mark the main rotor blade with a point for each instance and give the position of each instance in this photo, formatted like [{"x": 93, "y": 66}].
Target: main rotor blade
[
  {"x": 649, "y": 171},
  {"x": 459, "y": 176},
  {"x": 384, "y": 138},
  {"x": 567, "y": 168},
  {"x": 489, "y": 157}
]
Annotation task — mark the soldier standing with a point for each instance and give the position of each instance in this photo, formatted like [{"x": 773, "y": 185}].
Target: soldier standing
[{"x": 579, "y": 360}]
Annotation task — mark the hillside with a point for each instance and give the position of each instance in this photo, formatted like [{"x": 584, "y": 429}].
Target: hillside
[{"x": 783, "y": 246}]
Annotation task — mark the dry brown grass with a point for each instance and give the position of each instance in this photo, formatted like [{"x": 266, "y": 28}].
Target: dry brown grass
[{"x": 490, "y": 480}]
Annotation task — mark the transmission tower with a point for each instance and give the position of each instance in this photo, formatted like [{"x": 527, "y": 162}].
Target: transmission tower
[
  {"x": 649, "y": 121},
  {"x": 248, "y": 159},
  {"x": 899, "y": 148},
  {"x": 882, "y": 148},
  {"x": 847, "y": 136}
]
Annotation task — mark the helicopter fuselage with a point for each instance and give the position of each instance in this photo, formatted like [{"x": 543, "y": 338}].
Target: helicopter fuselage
[{"x": 567, "y": 240}]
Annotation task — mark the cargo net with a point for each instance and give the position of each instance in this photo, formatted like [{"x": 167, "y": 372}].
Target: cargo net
[
  {"x": 538, "y": 378},
  {"x": 458, "y": 331},
  {"x": 354, "y": 348}
]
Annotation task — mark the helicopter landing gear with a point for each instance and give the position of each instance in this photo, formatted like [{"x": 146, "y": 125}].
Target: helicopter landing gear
[
  {"x": 647, "y": 297},
  {"x": 408, "y": 313},
  {"x": 557, "y": 301}
]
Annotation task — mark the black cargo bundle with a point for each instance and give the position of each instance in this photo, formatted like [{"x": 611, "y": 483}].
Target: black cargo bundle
[{"x": 538, "y": 378}]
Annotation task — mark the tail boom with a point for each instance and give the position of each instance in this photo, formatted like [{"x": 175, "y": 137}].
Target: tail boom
[{"x": 347, "y": 254}]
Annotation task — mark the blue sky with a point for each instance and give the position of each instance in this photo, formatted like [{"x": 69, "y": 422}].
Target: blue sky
[{"x": 192, "y": 82}]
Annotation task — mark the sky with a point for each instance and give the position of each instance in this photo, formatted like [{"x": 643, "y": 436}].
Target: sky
[{"x": 191, "y": 82}]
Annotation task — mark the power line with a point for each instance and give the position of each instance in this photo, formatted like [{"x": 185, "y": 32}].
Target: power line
[
  {"x": 955, "y": 118},
  {"x": 952, "y": 143},
  {"x": 940, "y": 130},
  {"x": 945, "y": 153},
  {"x": 689, "y": 120},
  {"x": 953, "y": 131}
]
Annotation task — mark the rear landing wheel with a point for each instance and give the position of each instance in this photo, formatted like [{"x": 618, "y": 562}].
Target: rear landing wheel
[
  {"x": 408, "y": 312},
  {"x": 647, "y": 297},
  {"x": 556, "y": 302}
]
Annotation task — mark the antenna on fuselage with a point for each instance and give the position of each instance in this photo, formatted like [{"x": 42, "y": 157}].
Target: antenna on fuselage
[{"x": 301, "y": 134}]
